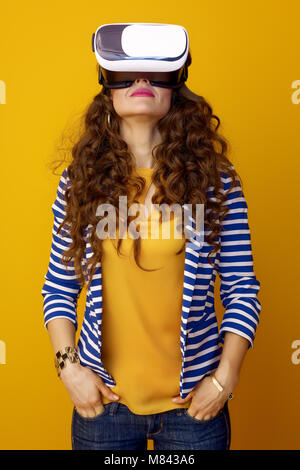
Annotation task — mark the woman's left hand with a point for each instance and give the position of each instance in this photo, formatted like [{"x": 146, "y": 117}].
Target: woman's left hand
[{"x": 207, "y": 400}]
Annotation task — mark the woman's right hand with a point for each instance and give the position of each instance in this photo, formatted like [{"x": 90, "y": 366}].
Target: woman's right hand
[{"x": 84, "y": 387}]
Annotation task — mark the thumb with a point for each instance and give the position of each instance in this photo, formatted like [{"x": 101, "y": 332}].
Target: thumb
[
  {"x": 106, "y": 391},
  {"x": 180, "y": 400}
]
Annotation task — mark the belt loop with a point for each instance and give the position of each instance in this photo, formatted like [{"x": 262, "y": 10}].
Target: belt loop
[{"x": 113, "y": 407}]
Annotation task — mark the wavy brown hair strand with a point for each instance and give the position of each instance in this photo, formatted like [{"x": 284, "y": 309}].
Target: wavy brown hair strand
[{"x": 187, "y": 162}]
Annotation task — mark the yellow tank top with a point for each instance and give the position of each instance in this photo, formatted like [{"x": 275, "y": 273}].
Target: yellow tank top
[{"x": 141, "y": 318}]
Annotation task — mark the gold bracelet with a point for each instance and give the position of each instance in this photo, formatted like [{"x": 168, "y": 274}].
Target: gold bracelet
[{"x": 219, "y": 386}]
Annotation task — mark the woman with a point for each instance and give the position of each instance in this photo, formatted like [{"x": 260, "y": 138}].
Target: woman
[{"x": 151, "y": 362}]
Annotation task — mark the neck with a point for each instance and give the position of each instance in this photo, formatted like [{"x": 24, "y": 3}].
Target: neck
[{"x": 141, "y": 138}]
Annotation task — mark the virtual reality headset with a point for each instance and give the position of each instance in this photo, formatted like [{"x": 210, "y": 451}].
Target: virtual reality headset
[{"x": 156, "y": 51}]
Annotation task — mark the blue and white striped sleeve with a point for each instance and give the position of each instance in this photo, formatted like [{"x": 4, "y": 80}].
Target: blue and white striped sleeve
[
  {"x": 238, "y": 284},
  {"x": 61, "y": 288}
]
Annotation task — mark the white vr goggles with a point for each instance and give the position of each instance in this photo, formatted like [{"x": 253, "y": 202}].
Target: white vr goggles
[{"x": 156, "y": 51}]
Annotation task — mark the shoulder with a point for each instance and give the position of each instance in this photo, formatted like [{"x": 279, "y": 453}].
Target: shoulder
[
  {"x": 63, "y": 184},
  {"x": 64, "y": 180},
  {"x": 230, "y": 180},
  {"x": 59, "y": 204}
]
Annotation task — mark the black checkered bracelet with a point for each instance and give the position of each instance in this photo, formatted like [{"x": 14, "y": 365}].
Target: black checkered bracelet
[{"x": 61, "y": 356}]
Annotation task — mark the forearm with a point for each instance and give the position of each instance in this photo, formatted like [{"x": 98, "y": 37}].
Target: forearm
[
  {"x": 232, "y": 357},
  {"x": 61, "y": 332}
]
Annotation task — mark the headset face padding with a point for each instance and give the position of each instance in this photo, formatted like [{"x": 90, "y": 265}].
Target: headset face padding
[{"x": 111, "y": 79}]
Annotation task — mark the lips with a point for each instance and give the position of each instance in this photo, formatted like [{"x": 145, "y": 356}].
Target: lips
[{"x": 142, "y": 92}]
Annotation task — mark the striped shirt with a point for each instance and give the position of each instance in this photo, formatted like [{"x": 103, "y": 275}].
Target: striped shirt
[{"x": 200, "y": 339}]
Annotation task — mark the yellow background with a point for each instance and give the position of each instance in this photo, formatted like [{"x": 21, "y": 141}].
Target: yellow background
[{"x": 245, "y": 58}]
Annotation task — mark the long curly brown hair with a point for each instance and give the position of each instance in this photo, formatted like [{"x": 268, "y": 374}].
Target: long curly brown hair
[{"x": 190, "y": 158}]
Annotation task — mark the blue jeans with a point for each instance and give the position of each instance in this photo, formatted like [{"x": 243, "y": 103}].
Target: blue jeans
[{"x": 118, "y": 428}]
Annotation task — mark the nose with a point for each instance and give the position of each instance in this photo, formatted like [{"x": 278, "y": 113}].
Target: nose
[{"x": 139, "y": 78}]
